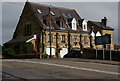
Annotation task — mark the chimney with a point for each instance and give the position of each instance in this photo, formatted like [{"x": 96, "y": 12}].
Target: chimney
[{"x": 104, "y": 21}]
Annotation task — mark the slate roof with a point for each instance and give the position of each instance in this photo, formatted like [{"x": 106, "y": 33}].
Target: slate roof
[
  {"x": 68, "y": 14},
  {"x": 99, "y": 24},
  {"x": 19, "y": 39}
]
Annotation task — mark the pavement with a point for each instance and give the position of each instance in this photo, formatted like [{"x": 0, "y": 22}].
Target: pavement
[
  {"x": 109, "y": 62},
  {"x": 95, "y": 61},
  {"x": 68, "y": 68}
]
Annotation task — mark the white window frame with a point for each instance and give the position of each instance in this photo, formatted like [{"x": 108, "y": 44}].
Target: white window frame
[{"x": 74, "y": 24}]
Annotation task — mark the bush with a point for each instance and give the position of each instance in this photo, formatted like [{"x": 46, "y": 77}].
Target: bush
[
  {"x": 44, "y": 55},
  {"x": 8, "y": 52},
  {"x": 28, "y": 48}
]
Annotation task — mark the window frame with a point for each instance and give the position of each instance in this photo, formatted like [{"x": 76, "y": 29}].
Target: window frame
[
  {"x": 50, "y": 37},
  {"x": 85, "y": 39},
  {"x": 75, "y": 39},
  {"x": 63, "y": 38}
]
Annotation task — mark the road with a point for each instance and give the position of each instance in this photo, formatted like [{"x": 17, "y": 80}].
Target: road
[{"x": 26, "y": 69}]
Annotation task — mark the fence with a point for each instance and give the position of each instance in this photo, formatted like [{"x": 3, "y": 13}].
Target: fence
[{"x": 91, "y": 54}]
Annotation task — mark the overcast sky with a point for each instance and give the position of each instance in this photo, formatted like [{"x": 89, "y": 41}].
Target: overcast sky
[{"x": 94, "y": 11}]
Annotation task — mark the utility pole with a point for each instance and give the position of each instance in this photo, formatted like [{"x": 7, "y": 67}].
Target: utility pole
[
  {"x": 96, "y": 52},
  {"x": 50, "y": 32}
]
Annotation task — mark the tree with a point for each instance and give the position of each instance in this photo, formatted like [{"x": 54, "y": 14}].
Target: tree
[{"x": 28, "y": 48}]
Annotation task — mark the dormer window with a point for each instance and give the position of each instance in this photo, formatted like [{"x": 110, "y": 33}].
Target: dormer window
[
  {"x": 39, "y": 11},
  {"x": 62, "y": 24},
  {"x": 64, "y": 15},
  {"x": 74, "y": 26},
  {"x": 84, "y": 25},
  {"x": 69, "y": 15},
  {"x": 47, "y": 23},
  {"x": 52, "y": 13}
]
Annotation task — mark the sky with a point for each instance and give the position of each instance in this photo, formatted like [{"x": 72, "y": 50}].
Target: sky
[
  {"x": 93, "y": 11},
  {"x": 119, "y": 23}
]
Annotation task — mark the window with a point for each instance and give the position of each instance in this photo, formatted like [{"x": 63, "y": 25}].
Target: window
[
  {"x": 50, "y": 37},
  {"x": 52, "y": 13},
  {"x": 39, "y": 11},
  {"x": 73, "y": 25},
  {"x": 27, "y": 29},
  {"x": 69, "y": 15},
  {"x": 63, "y": 39},
  {"x": 64, "y": 15},
  {"x": 75, "y": 38},
  {"x": 62, "y": 24},
  {"x": 47, "y": 23},
  {"x": 84, "y": 27},
  {"x": 85, "y": 40}
]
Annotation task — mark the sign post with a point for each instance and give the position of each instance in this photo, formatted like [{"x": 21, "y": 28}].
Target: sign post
[
  {"x": 96, "y": 52},
  {"x": 110, "y": 54},
  {"x": 103, "y": 52}
]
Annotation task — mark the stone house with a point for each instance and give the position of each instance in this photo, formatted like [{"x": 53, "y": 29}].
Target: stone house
[
  {"x": 99, "y": 29},
  {"x": 52, "y": 30}
]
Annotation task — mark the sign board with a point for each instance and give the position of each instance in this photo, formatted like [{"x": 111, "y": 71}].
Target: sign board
[
  {"x": 101, "y": 40},
  {"x": 107, "y": 39},
  {"x": 98, "y": 40}
]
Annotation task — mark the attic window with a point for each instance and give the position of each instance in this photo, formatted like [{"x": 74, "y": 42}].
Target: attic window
[
  {"x": 69, "y": 15},
  {"x": 64, "y": 15},
  {"x": 39, "y": 11},
  {"x": 62, "y": 24},
  {"x": 52, "y": 13}
]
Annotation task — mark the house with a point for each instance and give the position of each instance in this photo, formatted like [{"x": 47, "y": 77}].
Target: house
[
  {"x": 99, "y": 29},
  {"x": 54, "y": 30},
  {"x": 57, "y": 29}
]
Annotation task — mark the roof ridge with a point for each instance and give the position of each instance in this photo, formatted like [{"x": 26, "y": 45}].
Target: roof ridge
[
  {"x": 51, "y": 6},
  {"x": 94, "y": 21}
]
